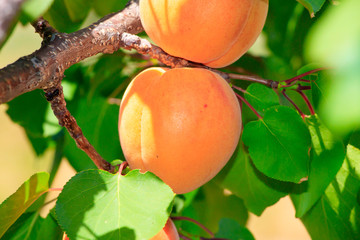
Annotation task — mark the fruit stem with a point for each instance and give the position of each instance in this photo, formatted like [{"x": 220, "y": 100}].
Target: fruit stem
[
  {"x": 297, "y": 78},
  {"x": 239, "y": 89},
  {"x": 307, "y": 101},
  {"x": 123, "y": 165},
  {"x": 182, "y": 218},
  {"x": 293, "y": 103},
  {"x": 184, "y": 237},
  {"x": 248, "y": 104},
  {"x": 267, "y": 82},
  {"x": 301, "y": 88},
  {"x": 304, "y": 80}
]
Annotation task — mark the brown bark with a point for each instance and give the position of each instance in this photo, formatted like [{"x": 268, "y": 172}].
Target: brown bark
[
  {"x": 56, "y": 98},
  {"x": 45, "y": 67}
]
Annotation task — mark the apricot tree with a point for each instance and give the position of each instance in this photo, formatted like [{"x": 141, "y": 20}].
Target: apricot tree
[{"x": 283, "y": 120}]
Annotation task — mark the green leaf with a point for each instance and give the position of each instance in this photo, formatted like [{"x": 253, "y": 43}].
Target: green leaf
[
  {"x": 327, "y": 154},
  {"x": 279, "y": 144},
  {"x": 33, "y": 9},
  {"x": 78, "y": 9},
  {"x": 26, "y": 227},
  {"x": 337, "y": 214},
  {"x": 58, "y": 17},
  {"x": 98, "y": 120},
  {"x": 110, "y": 6},
  {"x": 334, "y": 42},
  {"x": 286, "y": 27},
  {"x": 242, "y": 178},
  {"x": 14, "y": 206},
  {"x": 21, "y": 111},
  {"x": 31, "y": 226},
  {"x": 106, "y": 78},
  {"x": 318, "y": 88},
  {"x": 212, "y": 204},
  {"x": 313, "y": 6},
  {"x": 49, "y": 228},
  {"x": 96, "y": 204},
  {"x": 232, "y": 230},
  {"x": 183, "y": 201},
  {"x": 261, "y": 97}
]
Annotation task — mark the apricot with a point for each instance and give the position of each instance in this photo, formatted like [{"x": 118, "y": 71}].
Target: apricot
[
  {"x": 182, "y": 124},
  {"x": 213, "y": 32},
  {"x": 169, "y": 232},
  {"x": 65, "y": 237}
]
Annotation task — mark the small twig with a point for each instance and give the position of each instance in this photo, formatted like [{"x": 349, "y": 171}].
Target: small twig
[
  {"x": 143, "y": 46},
  {"x": 266, "y": 82},
  {"x": 293, "y": 103},
  {"x": 288, "y": 85},
  {"x": 123, "y": 165},
  {"x": 43, "y": 27},
  {"x": 297, "y": 78},
  {"x": 249, "y": 105},
  {"x": 45, "y": 30},
  {"x": 239, "y": 89},
  {"x": 56, "y": 98},
  {"x": 193, "y": 221},
  {"x": 303, "y": 80},
  {"x": 307, "y": 101},
  {"x": 302, "y": 88},
  {"x": 184, "y": 237}
]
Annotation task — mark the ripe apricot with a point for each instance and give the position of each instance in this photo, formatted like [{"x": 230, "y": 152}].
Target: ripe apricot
[
  {"x": 65, "y": 237},
  {"x": 213, "y": 32},
  {"x": 169, "y": 232},
  {"x": 182, "y": 124}
]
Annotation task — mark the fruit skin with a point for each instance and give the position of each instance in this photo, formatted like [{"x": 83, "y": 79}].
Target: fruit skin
[
  {"x": 212, "y": 32},
  {"x": 182, "y": 124},
  {"x": 253, "y": 27},
  {"x": 169, "y": 232},
  {"x": 65, "y": 237}
]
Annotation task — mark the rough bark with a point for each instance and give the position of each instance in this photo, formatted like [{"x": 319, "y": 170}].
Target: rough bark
[
  {"x": 45, "y": 67},
  {"x": 56, "y": 98}
]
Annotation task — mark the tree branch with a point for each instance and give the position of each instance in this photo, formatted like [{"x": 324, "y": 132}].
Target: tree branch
[
  {"x": 8, "y": 10},
  {"x": 56, "y": 98},
  {"x": 144, "y": 47},
  {"x": 45, "y": 67}
]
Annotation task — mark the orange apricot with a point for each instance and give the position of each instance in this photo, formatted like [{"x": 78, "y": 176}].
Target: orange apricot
[
  {"x": 169, "y": 232},
  {"x": 65, "y": 237},
  {"x": 182, "y": 124},
  {"x": 213, "y": 32}
]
